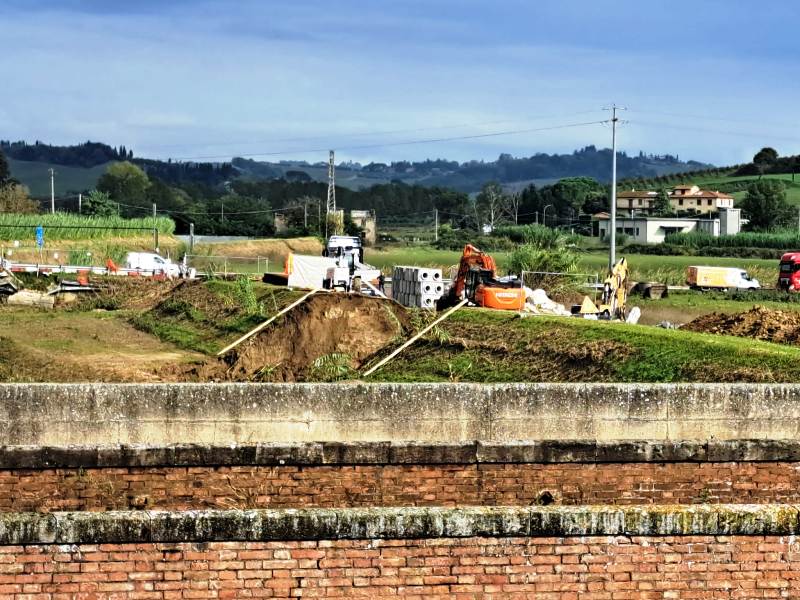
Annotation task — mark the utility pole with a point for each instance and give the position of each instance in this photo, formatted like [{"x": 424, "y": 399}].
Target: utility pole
[
  {"x": 52, "y": 191},
  {"x": 154, "y": 210},
  {"x": 612, "y": 254},
  {"x": 435, "y": 224},
  {"x": 80, "y": 203},
  {"x": 331, "y": 202},
  {"x": 305, "y": 213},
  {"x": 222, "y": 212}
]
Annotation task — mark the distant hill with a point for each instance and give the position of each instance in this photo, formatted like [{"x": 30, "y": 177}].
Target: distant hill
[
  {"x": 68, "y": 180},
  {"x": 81, "y": 165},
  {"x": 512, "y": 172}
]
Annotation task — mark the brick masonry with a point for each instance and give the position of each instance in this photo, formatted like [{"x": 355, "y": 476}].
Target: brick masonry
[
  {"x": 542, "y": 568},
  {"x": 514, "y": 484}
]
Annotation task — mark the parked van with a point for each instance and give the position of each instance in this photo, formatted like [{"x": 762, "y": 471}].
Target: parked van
[
  {"x": 720, "y": 278},
  {"x": 150, "y": 261}
]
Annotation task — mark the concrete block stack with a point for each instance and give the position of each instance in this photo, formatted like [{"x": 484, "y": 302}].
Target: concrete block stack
[{"x": 417, "y": 287}]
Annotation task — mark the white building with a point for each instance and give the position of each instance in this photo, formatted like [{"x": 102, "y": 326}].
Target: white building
[{"x": 654, "y": 230}]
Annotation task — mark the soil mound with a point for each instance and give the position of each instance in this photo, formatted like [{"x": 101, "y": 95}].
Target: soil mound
[
  {"x": 760, "y": 323},
  {"x": 351, "y": 326}
]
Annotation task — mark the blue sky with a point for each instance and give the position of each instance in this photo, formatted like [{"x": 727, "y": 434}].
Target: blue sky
[{"x": 709, "y": 80}]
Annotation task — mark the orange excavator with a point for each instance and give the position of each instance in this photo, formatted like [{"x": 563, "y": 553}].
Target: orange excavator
[{"x": 477, "y": 281}]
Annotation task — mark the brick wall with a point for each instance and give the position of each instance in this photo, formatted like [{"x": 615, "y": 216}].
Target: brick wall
[
  {"x": 180, "y": 488},
  {"x": 590, "y": 568}
]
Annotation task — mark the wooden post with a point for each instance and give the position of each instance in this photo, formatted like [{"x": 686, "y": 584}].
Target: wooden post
[
  {"x": 416, "y": 337},
  {"x": 258, "y": 328}
]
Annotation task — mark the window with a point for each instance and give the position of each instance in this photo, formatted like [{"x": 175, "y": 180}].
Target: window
[
  {"x": 709, "y": 201},
  {"x": 680, "y": 202},
  {"x": 640, "y": 201}
]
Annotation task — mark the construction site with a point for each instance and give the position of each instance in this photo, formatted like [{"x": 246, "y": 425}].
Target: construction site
[{"x": 331, "y": 316}]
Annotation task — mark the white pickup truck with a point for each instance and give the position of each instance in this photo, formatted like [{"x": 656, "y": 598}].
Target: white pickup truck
[{"x": 150, "y": 261}]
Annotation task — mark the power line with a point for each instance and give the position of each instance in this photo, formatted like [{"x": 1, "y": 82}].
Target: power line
[
  {"x": 761, "y": 136},
  {"x": 402, "y": 143},
  {"x": 337, "y": 136},
  {"x": 701, "y": 117}
]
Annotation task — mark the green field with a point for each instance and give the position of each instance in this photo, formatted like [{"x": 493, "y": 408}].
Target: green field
[{"x": 36, "y": 176}]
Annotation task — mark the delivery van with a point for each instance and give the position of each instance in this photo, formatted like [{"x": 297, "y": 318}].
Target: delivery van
[
  {"x": 150, "y": 261},
  {"x": 720, "y": 278}
]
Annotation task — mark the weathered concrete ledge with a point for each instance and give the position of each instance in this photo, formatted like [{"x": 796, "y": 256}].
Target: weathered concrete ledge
[
  {"x": 397, "y": 453},
  {"x": 395, "y": 523},
  {"x": 223, "y": 414}
]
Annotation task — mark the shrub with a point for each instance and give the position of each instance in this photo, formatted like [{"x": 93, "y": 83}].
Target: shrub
[
  {"x": 781, "y": 240},
  {"x": 531, "y": 258},
  {"x": 536, "y": 235}
]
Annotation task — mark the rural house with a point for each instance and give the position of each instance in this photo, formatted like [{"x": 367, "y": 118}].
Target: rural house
[{"x": 682, "y": 198}]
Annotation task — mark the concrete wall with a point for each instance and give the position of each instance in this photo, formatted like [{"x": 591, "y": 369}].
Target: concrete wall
[{"x": 162, "y": 414}]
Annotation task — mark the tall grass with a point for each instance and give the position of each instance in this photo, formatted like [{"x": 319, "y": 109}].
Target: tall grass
[
  {"x": 69, "y": 226},
  {"x": 780, "y": 240},
  {"x": 539, "y": 236}
]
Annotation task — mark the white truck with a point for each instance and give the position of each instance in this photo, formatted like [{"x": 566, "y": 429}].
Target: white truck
[
  {"x": 720, "y": 278},
  {"x": 150, "y": 261}
]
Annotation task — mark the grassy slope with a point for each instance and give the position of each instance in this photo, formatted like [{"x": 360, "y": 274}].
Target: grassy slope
[
  {"x": 565, "y": 349},
  {"x": 35, "y": 175},
  {"x": 209, "y": 316}
]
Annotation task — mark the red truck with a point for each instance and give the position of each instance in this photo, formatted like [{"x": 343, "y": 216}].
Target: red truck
[{"x": 789, "y": 273}]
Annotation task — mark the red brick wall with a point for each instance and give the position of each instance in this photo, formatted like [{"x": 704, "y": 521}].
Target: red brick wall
[
  {"x": 590, "y": 568},
  {"x": 413, "y": 485}
]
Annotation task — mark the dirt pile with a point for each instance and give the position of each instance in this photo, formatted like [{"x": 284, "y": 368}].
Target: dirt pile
[
  {"x": 760, "y": 323},
  {"x": 345, "y": 328}
]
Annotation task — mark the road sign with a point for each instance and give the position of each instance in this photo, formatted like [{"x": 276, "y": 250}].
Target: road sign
[{"x": 40, "y": 236}]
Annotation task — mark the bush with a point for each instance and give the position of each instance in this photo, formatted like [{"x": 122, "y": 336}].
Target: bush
[
  {"x": 531, "y": 258},
  {"x": 536, "y": 235}
]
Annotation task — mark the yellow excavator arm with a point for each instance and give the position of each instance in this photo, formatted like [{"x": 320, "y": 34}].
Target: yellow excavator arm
[{"x": 615, "y": 290}]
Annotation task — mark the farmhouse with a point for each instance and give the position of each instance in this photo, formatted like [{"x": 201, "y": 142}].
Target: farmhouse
[{"x": 682, "y": 198}]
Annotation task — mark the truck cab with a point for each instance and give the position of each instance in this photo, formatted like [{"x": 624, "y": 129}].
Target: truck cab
[
  {"x": 789, "y": 272},
  {"x": 347, "y": 250}
]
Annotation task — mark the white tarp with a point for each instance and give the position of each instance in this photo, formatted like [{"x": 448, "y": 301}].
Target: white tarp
[{"x": 306, "y": 271}]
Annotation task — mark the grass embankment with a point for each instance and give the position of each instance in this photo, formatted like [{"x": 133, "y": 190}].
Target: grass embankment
[
  {"x": 483, "y": 346},
  {"x": 251, "y": 256},
  {"x": 205, "y": 317},
  {"x": 72, "y": 346}
]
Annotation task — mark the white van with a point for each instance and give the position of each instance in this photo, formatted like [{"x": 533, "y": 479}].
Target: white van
[{"x": 150, "y": 261}]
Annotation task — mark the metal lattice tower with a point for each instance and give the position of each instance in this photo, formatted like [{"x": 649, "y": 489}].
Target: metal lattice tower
[{"x": 331, "y": 185}]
